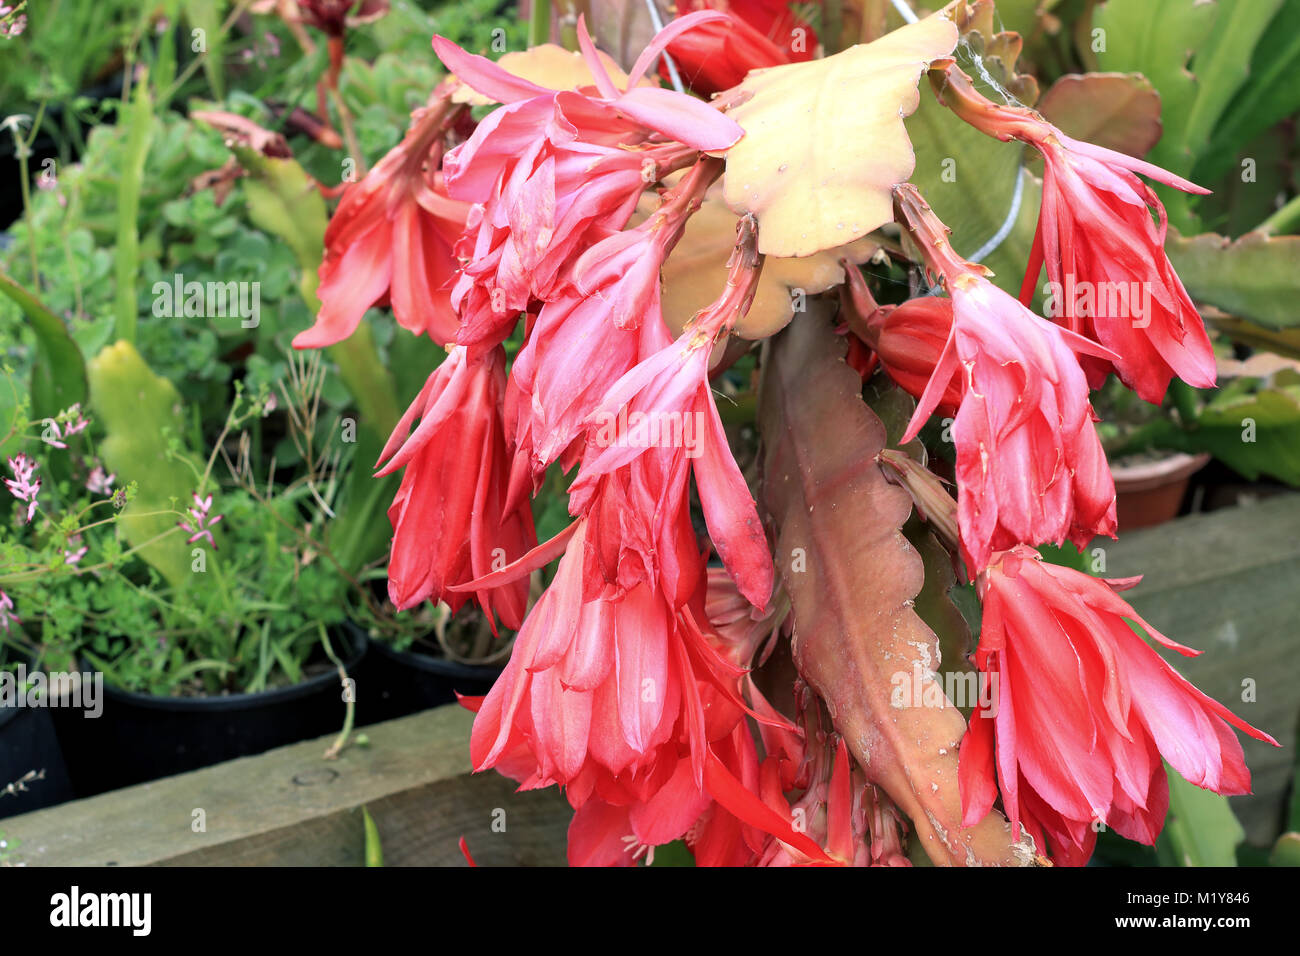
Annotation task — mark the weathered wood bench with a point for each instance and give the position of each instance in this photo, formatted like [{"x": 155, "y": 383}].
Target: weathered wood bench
[
  {"x": 1226, "y": 583},
  {"x": 291, "y": 807}
]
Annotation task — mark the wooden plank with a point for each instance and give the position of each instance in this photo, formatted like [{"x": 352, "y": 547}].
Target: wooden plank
[
  {"x": 1227, "y": 583},
  {"x": 292, "y": 807}
]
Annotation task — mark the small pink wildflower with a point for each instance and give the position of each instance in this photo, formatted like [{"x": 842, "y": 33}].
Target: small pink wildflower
[
  {"x": 99, "y": 483},
  {"x": 202, "y": 524},
  {"x": 21, "y": 486}
]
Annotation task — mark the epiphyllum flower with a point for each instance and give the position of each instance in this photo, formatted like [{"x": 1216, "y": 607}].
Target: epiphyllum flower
[
  {"x": 21, "y": 486},
  {"x": 1111, "y": 279},
  {"x": 907, "y": 339},
  {"x": 391, "y": 239},
  {"x": 554, "y": 171},
  {"x": 755, "y": 34},
  {"x": 449, "y": 516},
  {"x": 1085, "y": 711},
  {"x": 580, "y": 344},
  {"x": 666, "y": 399},
  {"x": 1030, "y": 466}
]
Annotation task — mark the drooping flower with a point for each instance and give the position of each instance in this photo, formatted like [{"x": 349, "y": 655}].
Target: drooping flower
[
  {"x": 24, "y": 486},
  {"x": 331, "y": 17},
  {"x": 1030, "y": 466},
  {"x": 200, "y": 524},
  {"x": 554, "y": 171},
  {"x": 1085, "y": 710},
  {"x": 607, "y": 318},
  {"x": 666, "y": 401},
  {"x": 450, "y": 520},
  {"x": 391, "y": 239},
  {"x": 907, "y": 339},
  {"x": 754, "y": 34},
  {"x": 1111, "y": 279}
]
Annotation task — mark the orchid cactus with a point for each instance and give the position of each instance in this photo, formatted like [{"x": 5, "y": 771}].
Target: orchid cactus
[{"x": 538, "y": 245}]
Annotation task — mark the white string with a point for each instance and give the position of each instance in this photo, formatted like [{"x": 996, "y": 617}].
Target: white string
[
  {"x": 1008, "y": 224},
  {"x": 658, "y": 23},
  {"x": 904, "y": 11}
]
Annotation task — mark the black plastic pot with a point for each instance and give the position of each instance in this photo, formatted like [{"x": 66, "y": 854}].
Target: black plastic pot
[
  {"x": 141, "y": 737},
  {"x": 28, "y": 742},
  {"x": 395, "y": 683}
]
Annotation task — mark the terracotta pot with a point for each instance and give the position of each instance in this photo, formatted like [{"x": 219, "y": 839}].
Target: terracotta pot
[{"x": 1151, "y": 493}]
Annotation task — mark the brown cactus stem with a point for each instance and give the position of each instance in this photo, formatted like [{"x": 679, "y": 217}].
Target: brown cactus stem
[{"x": 853, "y": 580}]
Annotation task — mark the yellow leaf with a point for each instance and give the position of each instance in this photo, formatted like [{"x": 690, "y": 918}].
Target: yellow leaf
[
  {"x": 547, "y": 65},
  {"x": 696, "y": 273},
  {"x": 824, "y": 140}
]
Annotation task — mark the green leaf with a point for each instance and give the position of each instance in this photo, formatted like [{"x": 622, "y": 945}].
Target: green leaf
[
  {"x": 284, "y": 201},
  {"x": 1222, "y": 65},
  {"x": 1201, "y": 829},
  {"x": 1255, "y": 433},
  {"x": 1286, "y": 852},
  {"x": 138, "y": 120},
  {"x": 59, "y": 372},
  {"x": 1254, "y": 277},
  {"x": 1271, "y": 94},
  {"x": 374, "y": 849},
  {"x": 1157, "y": 38},
  {"x": 143, "y": 416},
  {"x": 969, "y": 179}
]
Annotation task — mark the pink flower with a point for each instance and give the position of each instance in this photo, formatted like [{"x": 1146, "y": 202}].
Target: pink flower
[
  {"x": 1085, "y": 709},
  {"x": 200, "y": 525},
  {"x": 98, "y": 482},
  {"x": 607, "y": 317},
  {"x": 72, "y": 557},
  {"x": 7, "y": 617},
  {"x": 22, "y": 486},
  {"x": 554, "y": 171},
  {"x": 1111, "y": 279},
  {"x": 1030, "y": 467},
  {"x": 391, "y": 239},
  {"x": 450, "y": 518},
  {"x": 665, "y": 403}
]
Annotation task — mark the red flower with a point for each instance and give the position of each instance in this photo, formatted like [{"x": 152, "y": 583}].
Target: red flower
[
  {"x": 554, "y": 171},
  {"x": 1112, "y": 280},
  {"x": 908, "y": 339},
  {"x": 755, "y": 34},
  {"x": 1030, "y": 467},
  {"x": 589, "y": 335},
  {"x": 1110, "y": 277},
  {"x": 391, "y": 239},
  {"x": 450, "y": 519},
  {"x": 1083, "y": 709}
]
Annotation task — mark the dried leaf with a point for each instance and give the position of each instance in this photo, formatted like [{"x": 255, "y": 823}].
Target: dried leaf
[
  {"x": 697, "y": 271},
  {"x": 838, "y": 519},
  {"x": 824, "y": 140}
]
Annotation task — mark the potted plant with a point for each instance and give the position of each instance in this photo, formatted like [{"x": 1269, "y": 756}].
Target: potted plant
[{"x": 215, "y": 623}]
